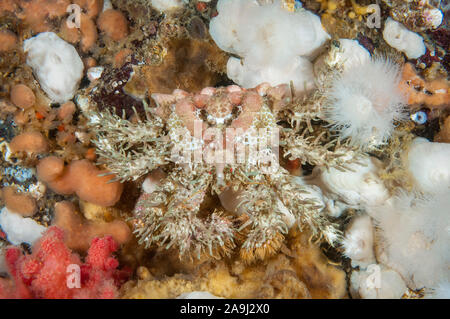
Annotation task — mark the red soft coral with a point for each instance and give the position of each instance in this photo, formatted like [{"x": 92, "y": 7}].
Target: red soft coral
[{"x": 44, "y": 273}]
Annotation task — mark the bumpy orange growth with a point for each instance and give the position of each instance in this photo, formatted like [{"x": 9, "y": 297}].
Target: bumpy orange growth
[
  {"x": 20, "y": 203},
  {"x": 66, "y": 111},
  {"x": 433, "y": 94},
  {"x": 114, "y": 24},
  {"x": 36, "y": 13},
  {"x": 22, "y": 96},
  {"x": 444, "y": 134},
  {"x": 29, "y": 142},
  {"x": 8, "y": 41},
  {"x": 89, "y": 33},
  {"x": 80, "y": 177},
  {"x": 79, "y": 233}
]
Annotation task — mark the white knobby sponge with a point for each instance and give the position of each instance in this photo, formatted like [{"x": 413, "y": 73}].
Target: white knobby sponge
[
  {"x": 19, "y": 229},
  {"x": 358, "y": 242},
  {"x": 299, "y": 71},
  {"x": 441, "y": 291},
  {"x": 358, "y": 186},
  {"x": 56, "y": 64},
  {"x": 274, "y": 44},
  {"x": 198, "y": 295},
  {"x": 364, "y": 102},
  {"x": 352, "y": 54},
  {"x": 402, "y": 39},
  {"x": 429, "y": 164},
  {"x": 413, "y": 238}
]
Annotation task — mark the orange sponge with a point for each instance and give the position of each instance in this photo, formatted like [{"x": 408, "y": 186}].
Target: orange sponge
[
  {"x": 433, "y": 94},
  {"x": 66, "y": 111},
  {"x": 8, "y": 41},
  {"x": 79, "y": 232},
  {"x": 114, "y": 24},
  {"x": 89, "y": 33},
  {"x": 22, "y": 96},
  {"x": 20, "y": 203}
]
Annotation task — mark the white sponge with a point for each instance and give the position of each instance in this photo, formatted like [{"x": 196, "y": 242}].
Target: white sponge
[
  {"x": 56, "y": 64},
  {"x": 402, "y": 39}
]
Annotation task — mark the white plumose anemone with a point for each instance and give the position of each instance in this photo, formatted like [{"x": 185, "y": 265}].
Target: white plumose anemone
[
  {"x": 428, "y": 163},
  {"x": 364, "y": 102}
]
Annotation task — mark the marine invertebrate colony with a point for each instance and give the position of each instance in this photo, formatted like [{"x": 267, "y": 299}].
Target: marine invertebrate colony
[
  {"x": 414, "y": 238},
  {"x": 43, "y": 273},
  {"x": 399, "y": 37},
  {"x": 80, "y": 177},
  {"x": 433, "y": 94},
  {"x": 275, "y": 45},
  {"x": 216, "y": 140},
  {"x": 428, "y": 164},
  {"x": 56, "y": 64},
  {"x": 358, "y": 241},
  {"x": 19, "y": 229},
  {"x": 302, "y": 274},
  {"x": 391, "y": 285}
]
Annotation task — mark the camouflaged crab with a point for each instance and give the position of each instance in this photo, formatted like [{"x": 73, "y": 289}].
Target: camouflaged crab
[{"x": 212, "y": 161}]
